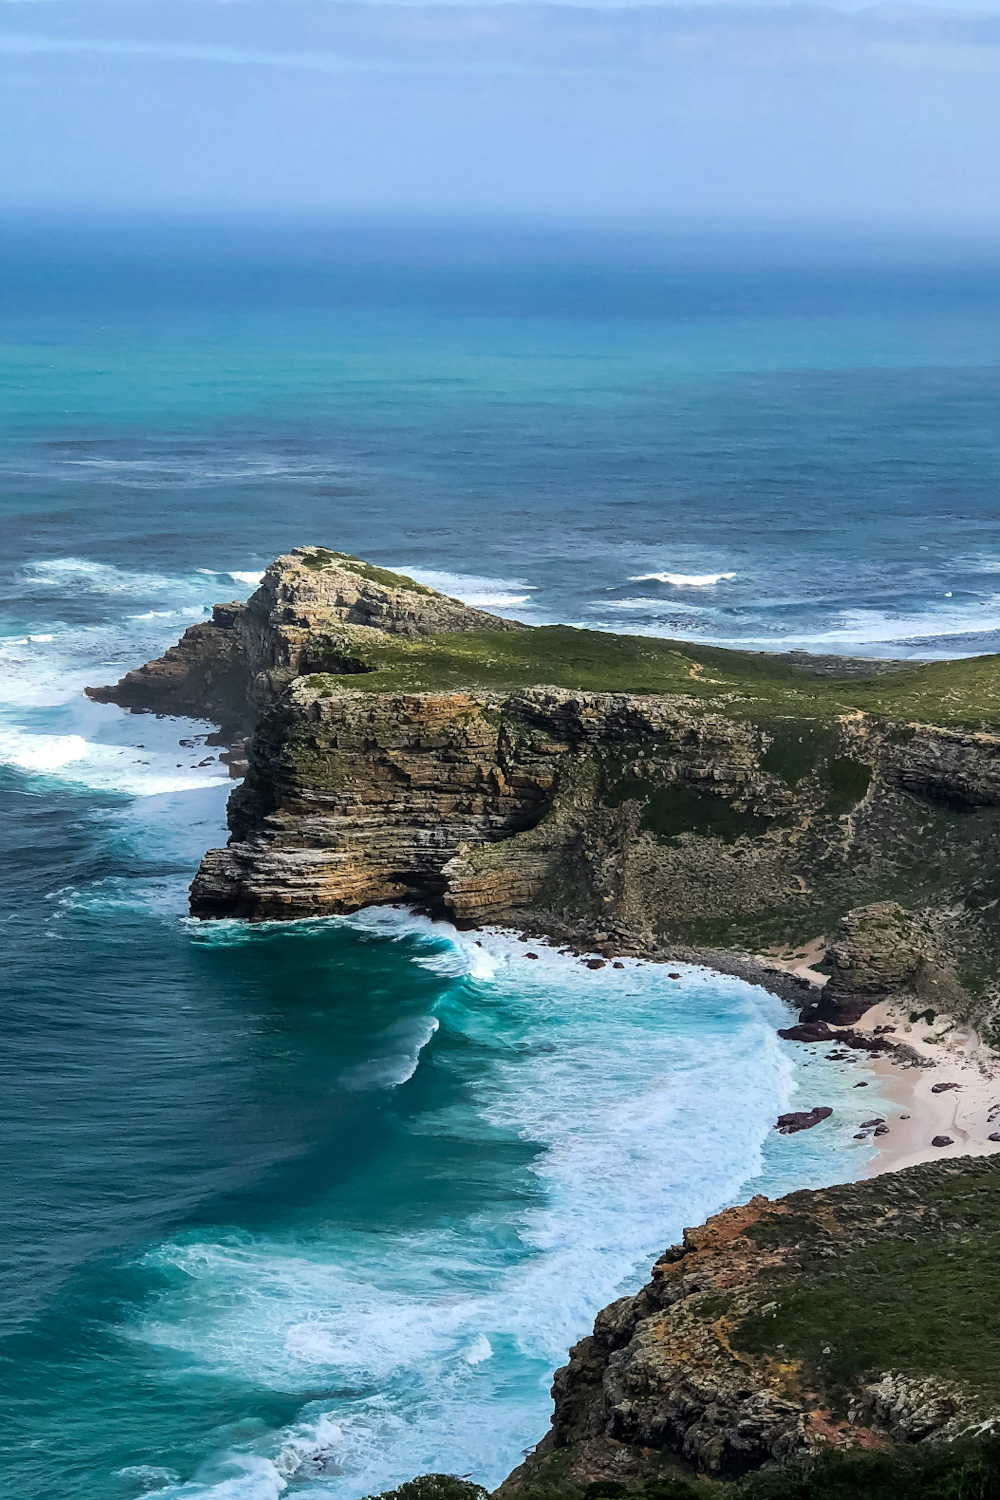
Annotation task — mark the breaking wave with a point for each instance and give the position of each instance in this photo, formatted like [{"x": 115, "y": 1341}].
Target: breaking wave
[
  {"x": 439, "y": 1337},
  {"x": 481, "y": 593},
  {"x": 683, "y": 580}
]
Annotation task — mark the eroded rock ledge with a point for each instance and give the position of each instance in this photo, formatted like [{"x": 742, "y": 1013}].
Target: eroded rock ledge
[
  {"x": 302, "y": 619},
  {"x": 843, "y": 1316},
  {"x": 401, "y": 746}
]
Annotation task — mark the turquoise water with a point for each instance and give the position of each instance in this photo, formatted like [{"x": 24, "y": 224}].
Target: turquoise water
[{"x": 309, "y": 1209}]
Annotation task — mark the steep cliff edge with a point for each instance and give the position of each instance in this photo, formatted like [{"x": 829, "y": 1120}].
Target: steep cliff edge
[
  {"x": 403, "y": 747},
  {"x": 303, "y": 618},
  {"x": 858, "y": 1316}
]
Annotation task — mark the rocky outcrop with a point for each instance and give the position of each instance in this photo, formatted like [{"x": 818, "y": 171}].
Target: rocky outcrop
[
  {"x": 781, "y": 1327},
  {"x": 356, "y": 798},
  {"x": 567, "y": 810},
  {"x": 487, "y": 806},
  {"x": 883, "y": 952},
  {"x": 205, "y": 676},
  {"x": 313, "y": 612},
  {"x": 803, "y": 1119},
  {"x": 704, "y": 818},
  {"x": 955, "y": 769}
]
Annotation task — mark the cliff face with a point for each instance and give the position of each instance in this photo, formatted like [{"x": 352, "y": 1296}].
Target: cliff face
[
  {"x": 644, "y": 817},
  {"x": 729, "y": 803},
  {"x": 305, "y": 617},
  {"x": 354, "y": 798},
  {"x": 842, "y": 1317}
]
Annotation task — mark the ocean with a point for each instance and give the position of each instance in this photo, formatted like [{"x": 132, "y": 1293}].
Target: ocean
[{"x": 307, "y": 1209}]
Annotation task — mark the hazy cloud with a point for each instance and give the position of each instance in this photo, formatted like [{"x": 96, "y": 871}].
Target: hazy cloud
[{"x": 795, "y": 110}]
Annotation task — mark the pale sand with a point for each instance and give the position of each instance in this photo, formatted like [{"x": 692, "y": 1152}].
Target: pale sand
[
  {"x": 802, "y": 966},
  {"x": 968, "y": 1114}
]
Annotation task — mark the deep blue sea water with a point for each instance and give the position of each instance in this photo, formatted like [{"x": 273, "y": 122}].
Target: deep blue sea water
[{"x": 316, "y": 1207}]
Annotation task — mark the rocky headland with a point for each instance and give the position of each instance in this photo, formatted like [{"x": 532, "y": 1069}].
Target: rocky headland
[
  {"x": 829, "y": 829},
  {"x": 617, "y": 792},
  {"x": 854, "y": 1318}
]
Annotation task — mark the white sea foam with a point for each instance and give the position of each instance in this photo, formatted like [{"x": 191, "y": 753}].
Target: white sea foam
[
  {"x": 404, "y": 1043},
  {"x": 441, "y": 1337},
  {"x": 151, "y": 473},
  {"x": 654, "y": 606},
  {"x": 81, "y": 575},
  {"x": 683, "y": 580},
  {"x": 480, "y": 592},
  {"x": 149, "y": 1476},
  {"x": 104, "y": 767},
  {"x": 51, "y": 664},
  {"x": 48, "y": 727},
  {"x": 189, "y": 612},
  {"x": 870, "y": 627},
  {"x": 233, "y": 1476}
]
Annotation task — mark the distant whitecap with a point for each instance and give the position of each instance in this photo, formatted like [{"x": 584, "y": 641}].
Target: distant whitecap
[{"x": 683, "y": 580}]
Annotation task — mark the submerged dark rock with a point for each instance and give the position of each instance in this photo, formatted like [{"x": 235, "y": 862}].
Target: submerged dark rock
[{"x": 802, "y": 1119}]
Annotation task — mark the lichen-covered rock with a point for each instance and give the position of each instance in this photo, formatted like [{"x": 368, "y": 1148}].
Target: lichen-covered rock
[
  {"x": 778, "y": 1327},
  {"x": 305, "y": 617},
  {"x": 881, "y": 951}
]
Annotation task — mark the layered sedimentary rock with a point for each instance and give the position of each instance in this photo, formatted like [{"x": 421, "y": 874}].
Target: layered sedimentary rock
[
  {"x": 353, "y": 798},
  {"x": 831, "y": 1317},
  {"x": 644, "y": 815},
  {"x": 631, "y": 818},
  {"x": 305, "y": 617},
  {"x": 205, "y": 676}
]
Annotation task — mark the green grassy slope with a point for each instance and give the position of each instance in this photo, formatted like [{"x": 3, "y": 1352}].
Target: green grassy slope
[{"x": 742, "y": 684}]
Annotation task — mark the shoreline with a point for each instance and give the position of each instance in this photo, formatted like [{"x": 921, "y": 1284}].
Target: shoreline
[
  {"x": 968, "y": 1114},
  {"x": 946, "y": 1051}
]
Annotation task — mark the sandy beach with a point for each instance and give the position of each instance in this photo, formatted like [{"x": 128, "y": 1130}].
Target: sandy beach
[
  {"x": 968, "y": 1113},
  {"x": 951, "y": 1053}
]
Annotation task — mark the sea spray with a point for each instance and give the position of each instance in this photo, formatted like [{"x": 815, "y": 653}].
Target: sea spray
[
  {"x": 415, "y": 1211},
  {"x": 643, "y": 1102}
]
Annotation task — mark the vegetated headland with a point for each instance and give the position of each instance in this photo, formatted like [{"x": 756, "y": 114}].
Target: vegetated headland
[{"x": 827, "y": 827}]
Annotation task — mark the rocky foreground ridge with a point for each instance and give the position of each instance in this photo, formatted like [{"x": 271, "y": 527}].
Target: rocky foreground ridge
[
  {"x": 857, "y": 1317},
  {"x": 626, "y": 794}
]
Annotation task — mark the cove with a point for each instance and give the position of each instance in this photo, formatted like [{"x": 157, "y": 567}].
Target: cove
[{"x": 320, "y": 1205}]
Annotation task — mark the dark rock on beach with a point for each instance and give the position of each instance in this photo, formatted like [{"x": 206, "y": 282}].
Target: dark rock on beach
[
  {"x": 820, "y": 1031},
  {"x": 802, "y": 1119}
]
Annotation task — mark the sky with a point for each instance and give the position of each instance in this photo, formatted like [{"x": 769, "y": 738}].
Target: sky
[{"x": 794, "y": 112}]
